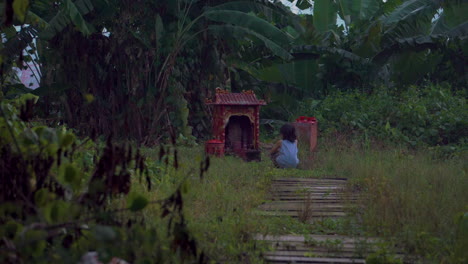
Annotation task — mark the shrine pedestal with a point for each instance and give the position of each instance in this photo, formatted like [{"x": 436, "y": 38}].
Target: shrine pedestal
[
  {"x": 214, "y": 147},
  {"x": 306, "y": 131}
]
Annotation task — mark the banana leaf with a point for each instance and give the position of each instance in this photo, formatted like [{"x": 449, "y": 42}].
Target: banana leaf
[
  {"x": 251, "y": 22},
  {"x": 242, "y": 31},
  {"x": 324, "y": 15}
]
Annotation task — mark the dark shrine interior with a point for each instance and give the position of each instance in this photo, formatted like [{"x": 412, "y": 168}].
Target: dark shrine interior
[{"x": 239, "y": 137}]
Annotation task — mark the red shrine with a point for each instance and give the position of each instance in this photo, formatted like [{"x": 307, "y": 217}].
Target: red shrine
[{"x": 236, "y": 124}]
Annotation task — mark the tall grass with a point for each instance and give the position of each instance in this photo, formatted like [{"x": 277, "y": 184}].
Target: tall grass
[
  {"x": 220, "y": 207},
  {"x": 412, "y": 198}
]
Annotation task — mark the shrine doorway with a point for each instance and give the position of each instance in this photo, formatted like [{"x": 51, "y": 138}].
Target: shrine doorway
[{"x": 239, "y": 135}]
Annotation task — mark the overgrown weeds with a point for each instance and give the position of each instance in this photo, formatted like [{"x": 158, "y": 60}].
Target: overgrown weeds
[
  {"x": 411, "y": 198},
  {"x": 305, "y": 214},
  {"x": 220, "y": 207}
]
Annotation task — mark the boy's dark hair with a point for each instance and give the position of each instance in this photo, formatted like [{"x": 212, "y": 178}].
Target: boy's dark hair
[{"x": 289, "y": 132}]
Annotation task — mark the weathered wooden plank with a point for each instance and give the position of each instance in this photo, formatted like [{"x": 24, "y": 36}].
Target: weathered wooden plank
[
  {"x": 304, "y": 238},
  {"x": 320, "y": 198},
  {"x": 295, "y": 214},
  {"x": 310, "y": 212},
  {"x": 309, "y": 186},
  {"x": 311, "y": 190},
  {"x": 311, "y": 193},
  {"x": 315, "y": 195},
  {"x": 318, "y": 204},
  {"x": 343, "y": 249},
  {"x": 312, "y": 196},
  {"x": 314, "y": 203},
  {"x": 323, "y": 244},
  {"x": 299, "y": 186},
  {"x": 319, "y": 252},
  {"x": 313, "y": 253},
  {"x": 310, "y": 179},
  {"x": 279, "y": 208},
  {"x": 305, "y": 188},
  {"x": 298, "y": 260}
]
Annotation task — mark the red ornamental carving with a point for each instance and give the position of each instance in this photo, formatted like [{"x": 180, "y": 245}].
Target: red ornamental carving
[{"x": 236, "y": 121}]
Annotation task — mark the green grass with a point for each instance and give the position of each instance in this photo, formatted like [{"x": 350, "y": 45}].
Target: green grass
[
  {"x": 220, "y": 207},
  {"x": 413, "y": 199}
]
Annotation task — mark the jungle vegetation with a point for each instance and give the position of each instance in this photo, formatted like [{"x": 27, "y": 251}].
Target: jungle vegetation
[{"x": 91, "y": 159}]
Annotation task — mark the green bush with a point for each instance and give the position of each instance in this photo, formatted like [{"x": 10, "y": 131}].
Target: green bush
[
  {"x": 421, "y": 116},
  {"x": 62, "y": 197}
]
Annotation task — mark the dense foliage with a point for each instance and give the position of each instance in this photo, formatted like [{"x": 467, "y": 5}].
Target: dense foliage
[
  {"x": 134, "y": 80},
  {"x": 394, "y": 71},
  {"x": 58, "y": 193},
  {"x": 150, "y": 70},
  {"x": 420, "y": 116}
]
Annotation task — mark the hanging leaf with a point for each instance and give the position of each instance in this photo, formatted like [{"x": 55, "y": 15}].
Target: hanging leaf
[
  {"x": 70, "y": 174},
  {"x": 159, "y": 29},
  {"x": 303, "y": 4},
  {"x": 370, "y": 44},
  {"x": 20, "y": 7},
  {"x": 318, "y": 50},
  {"x": 452, "y": 16},
  {"x": 34, "y": 19},
  {"x": 259, "y": 6},
  {"x": 459, "y": 31},
  {"x": 137, "y": 203},
  {"x": 409, "y": 9},
  {"x": 324, "y": 15},
  {"x": 275, "y": 12},
  {"x": 251, "y": 22},
  {"x": 241, "y": 31},
  {"x": 76, "y": 17},
  {"x": 104, "y": 233},
  {"x": 43, "y": 196},
  {"x": 358, "y": 9},
  {"x": 72, "y": 13}
]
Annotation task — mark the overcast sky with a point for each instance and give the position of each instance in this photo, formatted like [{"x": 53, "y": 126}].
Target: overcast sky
[{"x": 294, "y": 9}]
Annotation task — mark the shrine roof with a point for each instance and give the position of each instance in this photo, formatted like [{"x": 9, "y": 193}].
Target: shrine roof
[{"x": 224, "y": 97}]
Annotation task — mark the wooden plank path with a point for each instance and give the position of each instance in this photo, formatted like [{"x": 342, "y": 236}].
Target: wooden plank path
[
  {"x": 309, "y": 199},
  {"x": 313, "y": 200}
]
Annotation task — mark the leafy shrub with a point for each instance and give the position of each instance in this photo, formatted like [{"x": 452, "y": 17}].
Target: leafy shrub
[
  {"x": 430, "y": 116},
  {"x": 57, "y": 198}
]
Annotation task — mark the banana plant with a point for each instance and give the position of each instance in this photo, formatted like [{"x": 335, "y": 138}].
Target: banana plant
[
  {"x": 399, "y": 41},
  {"x": 151, "y": 59}
]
